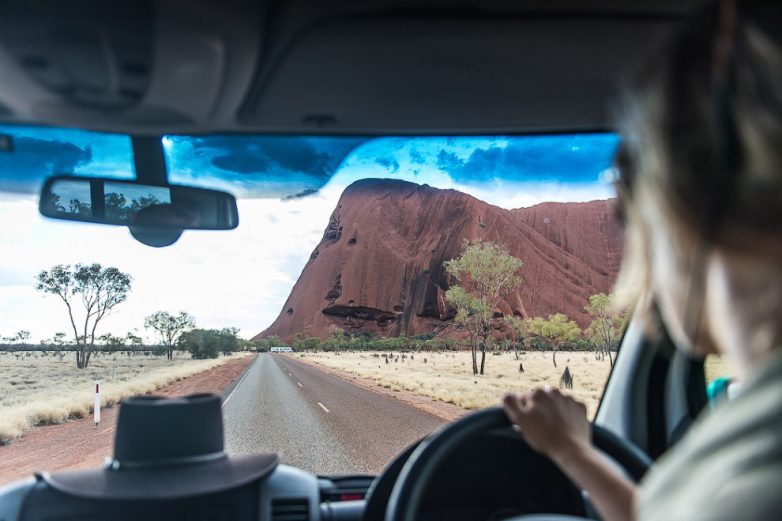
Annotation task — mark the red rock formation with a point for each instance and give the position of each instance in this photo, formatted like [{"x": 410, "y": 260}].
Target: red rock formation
[{"x": 379, "y": 266}]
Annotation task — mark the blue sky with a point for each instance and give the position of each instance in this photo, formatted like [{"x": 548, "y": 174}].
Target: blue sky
[{"x": 288, "y": 187}]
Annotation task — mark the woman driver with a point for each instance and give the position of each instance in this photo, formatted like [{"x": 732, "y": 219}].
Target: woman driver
[{"x": 701, "y": 189}]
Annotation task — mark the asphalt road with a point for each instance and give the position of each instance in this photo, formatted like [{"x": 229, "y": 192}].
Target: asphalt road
[{"x": 318, "y": 422}]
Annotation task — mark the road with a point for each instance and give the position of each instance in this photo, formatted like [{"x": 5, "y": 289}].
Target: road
[{"x": 318, "y": 422}]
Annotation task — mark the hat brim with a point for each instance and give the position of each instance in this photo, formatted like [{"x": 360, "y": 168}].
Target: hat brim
[{"x": 164, "y": 482}]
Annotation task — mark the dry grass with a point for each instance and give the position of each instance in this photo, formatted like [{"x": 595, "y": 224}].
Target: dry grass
[
  {"x": 36, "y": 389},
  {"x": 448, "y": 376}
]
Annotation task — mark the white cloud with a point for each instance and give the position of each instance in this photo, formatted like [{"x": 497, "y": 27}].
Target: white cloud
[
  {"x": 237, "y": 278},
  {"x": 522, "y": 195}
]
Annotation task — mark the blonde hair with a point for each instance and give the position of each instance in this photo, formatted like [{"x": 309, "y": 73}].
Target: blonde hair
[{"x": 667, "y": 160}]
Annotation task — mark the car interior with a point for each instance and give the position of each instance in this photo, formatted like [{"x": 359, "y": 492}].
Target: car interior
[{"x": 371, "y": 68}]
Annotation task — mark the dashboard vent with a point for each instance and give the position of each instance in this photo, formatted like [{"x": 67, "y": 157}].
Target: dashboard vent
[{"x": 297, "y": 509}]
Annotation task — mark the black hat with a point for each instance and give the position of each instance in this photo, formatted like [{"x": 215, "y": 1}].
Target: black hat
[{"x": 166, "y": 448}]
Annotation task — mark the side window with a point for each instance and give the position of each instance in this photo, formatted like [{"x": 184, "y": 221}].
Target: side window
[{"x": 720, "y": 383}]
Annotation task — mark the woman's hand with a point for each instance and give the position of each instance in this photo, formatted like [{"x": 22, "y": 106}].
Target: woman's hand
[
  {"x": 551, "y": 423},
  {"x": 557, "y": 426}
]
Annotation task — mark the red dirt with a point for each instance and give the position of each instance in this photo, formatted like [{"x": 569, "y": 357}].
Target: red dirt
[
  {"x": 81, "y": 444},
  {"x": 379, "y": 266}
]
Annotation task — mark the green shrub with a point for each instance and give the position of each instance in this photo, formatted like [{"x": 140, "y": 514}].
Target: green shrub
[{"x": 209, "y": 343}]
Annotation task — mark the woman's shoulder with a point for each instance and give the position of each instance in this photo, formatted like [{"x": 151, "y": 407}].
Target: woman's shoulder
[
  {"x": 753, "y": 494},
  {"x": 730, "y": 451}
]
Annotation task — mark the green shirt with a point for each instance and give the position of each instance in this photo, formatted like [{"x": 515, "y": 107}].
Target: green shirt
[{"x": 729, "y": 465}]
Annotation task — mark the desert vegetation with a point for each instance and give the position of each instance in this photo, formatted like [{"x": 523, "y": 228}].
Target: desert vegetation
[
  {"x": 446, "y": 375},
  {"x": 40, "y": 384},
  {"x": 498, "y": 336},
  {"x": 96, "y": 289},
  {"x": 90, "y": 292},
  {"x": 485, "y": 273},
  {"x": 45, "y": 387},
  {"x": 169, "y": 328},
  {"x": 209, "y": 343},
  {"x": 480, "y": 278}
]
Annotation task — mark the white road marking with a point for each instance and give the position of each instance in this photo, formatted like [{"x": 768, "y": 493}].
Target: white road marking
[
  {"x": 299, "y": 384},
  {"x": 323, "y": 407},
  {"x": 246, "y": 372}
]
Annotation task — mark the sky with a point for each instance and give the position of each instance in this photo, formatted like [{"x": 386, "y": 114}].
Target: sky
[{"x": 287, "y": 187}]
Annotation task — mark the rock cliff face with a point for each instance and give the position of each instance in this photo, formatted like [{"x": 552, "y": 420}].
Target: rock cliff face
[{"x": 379, "y": 266}]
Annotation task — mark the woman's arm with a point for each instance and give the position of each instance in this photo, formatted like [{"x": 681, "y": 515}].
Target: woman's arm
[{"x": 556, "y": 426}]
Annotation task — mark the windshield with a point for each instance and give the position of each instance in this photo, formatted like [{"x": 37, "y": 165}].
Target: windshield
[{"x": 375, "y": 289}]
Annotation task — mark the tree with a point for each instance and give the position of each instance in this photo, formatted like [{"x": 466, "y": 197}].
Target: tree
[
  {"x": 486, "y": 273},
  {"x": 202, "y": 343},
  {"x": 21, "y": 336},
  {"x": 305, "y": 343},
  {"x": 133, "y": 340},
  {"x": 473, "y": 315},
  {"x": 115, "y": 207},
  {"x": 209, "y": 343},
  {"x": 99, "y": 290},
  {"x": 52, "y": 203},
  {"x": 518, "y": 328},
  {"x": 558, "y": 328},
  {"x": 78, "y": 207},
  {"x": 111, "y": 341},
  {"x": 59, "y": 339},
  {"x": 606, "y": 326},
  {"x": 264, "y": 344},
  {"x": 169, "y": 327},
  {"x": 336, "y": 341},
  {"x": 229, "y": 340},
  {"x": 275, "y": 341}
]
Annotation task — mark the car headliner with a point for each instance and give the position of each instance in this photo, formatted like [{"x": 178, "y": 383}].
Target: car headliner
[{"x": 314, "y": 67}]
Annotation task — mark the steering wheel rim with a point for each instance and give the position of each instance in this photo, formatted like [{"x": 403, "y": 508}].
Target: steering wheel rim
[{"x": 403, "y": 505}]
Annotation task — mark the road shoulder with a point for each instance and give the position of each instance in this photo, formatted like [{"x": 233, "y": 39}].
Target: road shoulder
[{"x": 80, "y": 444}]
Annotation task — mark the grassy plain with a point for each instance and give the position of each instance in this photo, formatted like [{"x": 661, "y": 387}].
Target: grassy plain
[
  {"x": 448, "y": 376},
  {"x": 40, "y": 389}
]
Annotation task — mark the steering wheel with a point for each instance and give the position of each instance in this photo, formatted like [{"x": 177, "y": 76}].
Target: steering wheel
[{"x": 418, "y": 469}]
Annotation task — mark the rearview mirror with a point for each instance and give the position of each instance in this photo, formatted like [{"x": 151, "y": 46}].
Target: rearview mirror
[{"x": 148, "y": 210}]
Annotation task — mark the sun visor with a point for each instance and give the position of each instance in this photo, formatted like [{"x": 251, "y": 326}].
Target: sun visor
[{"x": 425, "y": 75}]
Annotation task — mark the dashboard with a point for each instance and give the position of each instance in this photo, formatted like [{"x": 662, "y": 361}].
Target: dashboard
[
  {"x": 287, "y": 494},
  {"x": 484, "y": 480}
]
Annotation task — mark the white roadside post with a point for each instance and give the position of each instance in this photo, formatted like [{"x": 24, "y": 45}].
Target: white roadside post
[{"x": 96, "y": 409}]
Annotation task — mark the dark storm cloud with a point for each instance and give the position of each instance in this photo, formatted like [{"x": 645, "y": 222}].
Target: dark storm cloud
[
  {"x": 34, "y": 160},
  {"x": 389, "y": 163},
  {"x": 317, "y": 157},
  {"x": 417, "y": 157},
  {"x": 300, "y": 155},
  {"x": 243, "y": 163},
  {"x": 43, "y": 157},
  {"x": 304, "y": 193},
  {"x": 561, "y": 158}
]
